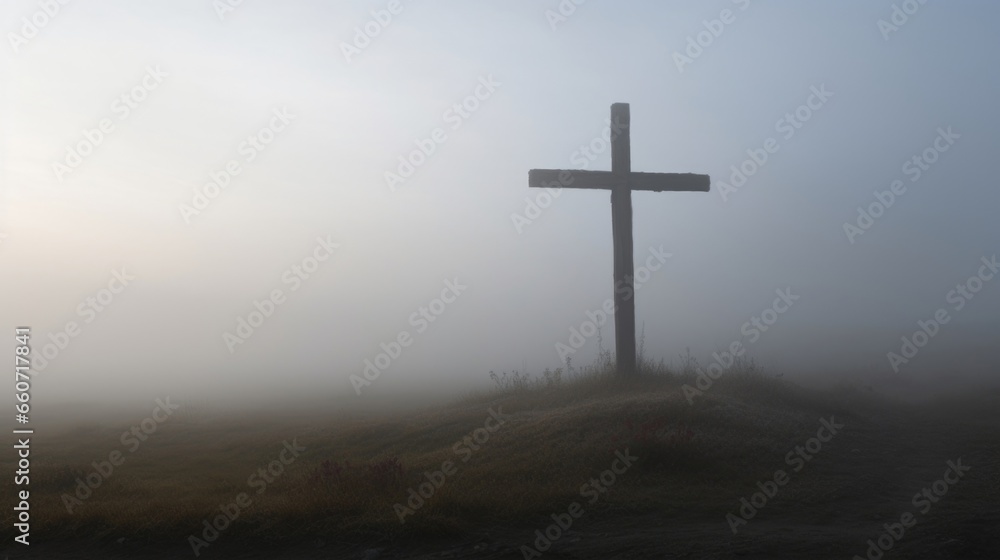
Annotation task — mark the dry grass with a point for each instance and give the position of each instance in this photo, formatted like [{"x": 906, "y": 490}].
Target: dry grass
[{"x": 559, "y": 435}]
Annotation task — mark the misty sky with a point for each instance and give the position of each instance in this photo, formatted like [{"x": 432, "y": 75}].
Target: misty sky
[{"x": 337, "y": 119}]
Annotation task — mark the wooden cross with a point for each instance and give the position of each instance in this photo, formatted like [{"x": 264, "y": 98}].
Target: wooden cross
[{"x": 621, "y": 180}]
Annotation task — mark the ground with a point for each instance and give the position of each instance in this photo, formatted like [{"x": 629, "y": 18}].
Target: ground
[{"x": 519, "y": 456}]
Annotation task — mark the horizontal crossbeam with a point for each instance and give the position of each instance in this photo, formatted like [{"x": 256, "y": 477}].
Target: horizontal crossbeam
[{"x": 656, "y": 182}]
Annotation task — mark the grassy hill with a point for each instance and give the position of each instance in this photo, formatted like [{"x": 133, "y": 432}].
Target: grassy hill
[{"x": 615, "y": 468}]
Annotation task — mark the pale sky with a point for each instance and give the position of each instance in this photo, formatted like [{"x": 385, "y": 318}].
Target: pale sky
[{"x": 197, "y": 85}]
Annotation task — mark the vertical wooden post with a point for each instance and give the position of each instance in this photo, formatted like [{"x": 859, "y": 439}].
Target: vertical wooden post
[{"x": 621, "y": 225}]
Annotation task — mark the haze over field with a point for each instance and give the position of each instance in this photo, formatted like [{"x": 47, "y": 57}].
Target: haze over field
[{"x": 312, "y": 116}]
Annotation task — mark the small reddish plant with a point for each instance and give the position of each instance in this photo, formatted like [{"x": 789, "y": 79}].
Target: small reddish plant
[{"x": 385, "y": 471}]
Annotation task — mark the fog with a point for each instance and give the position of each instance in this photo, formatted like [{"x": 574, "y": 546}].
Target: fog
[{"x": 105, "y": 192}]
